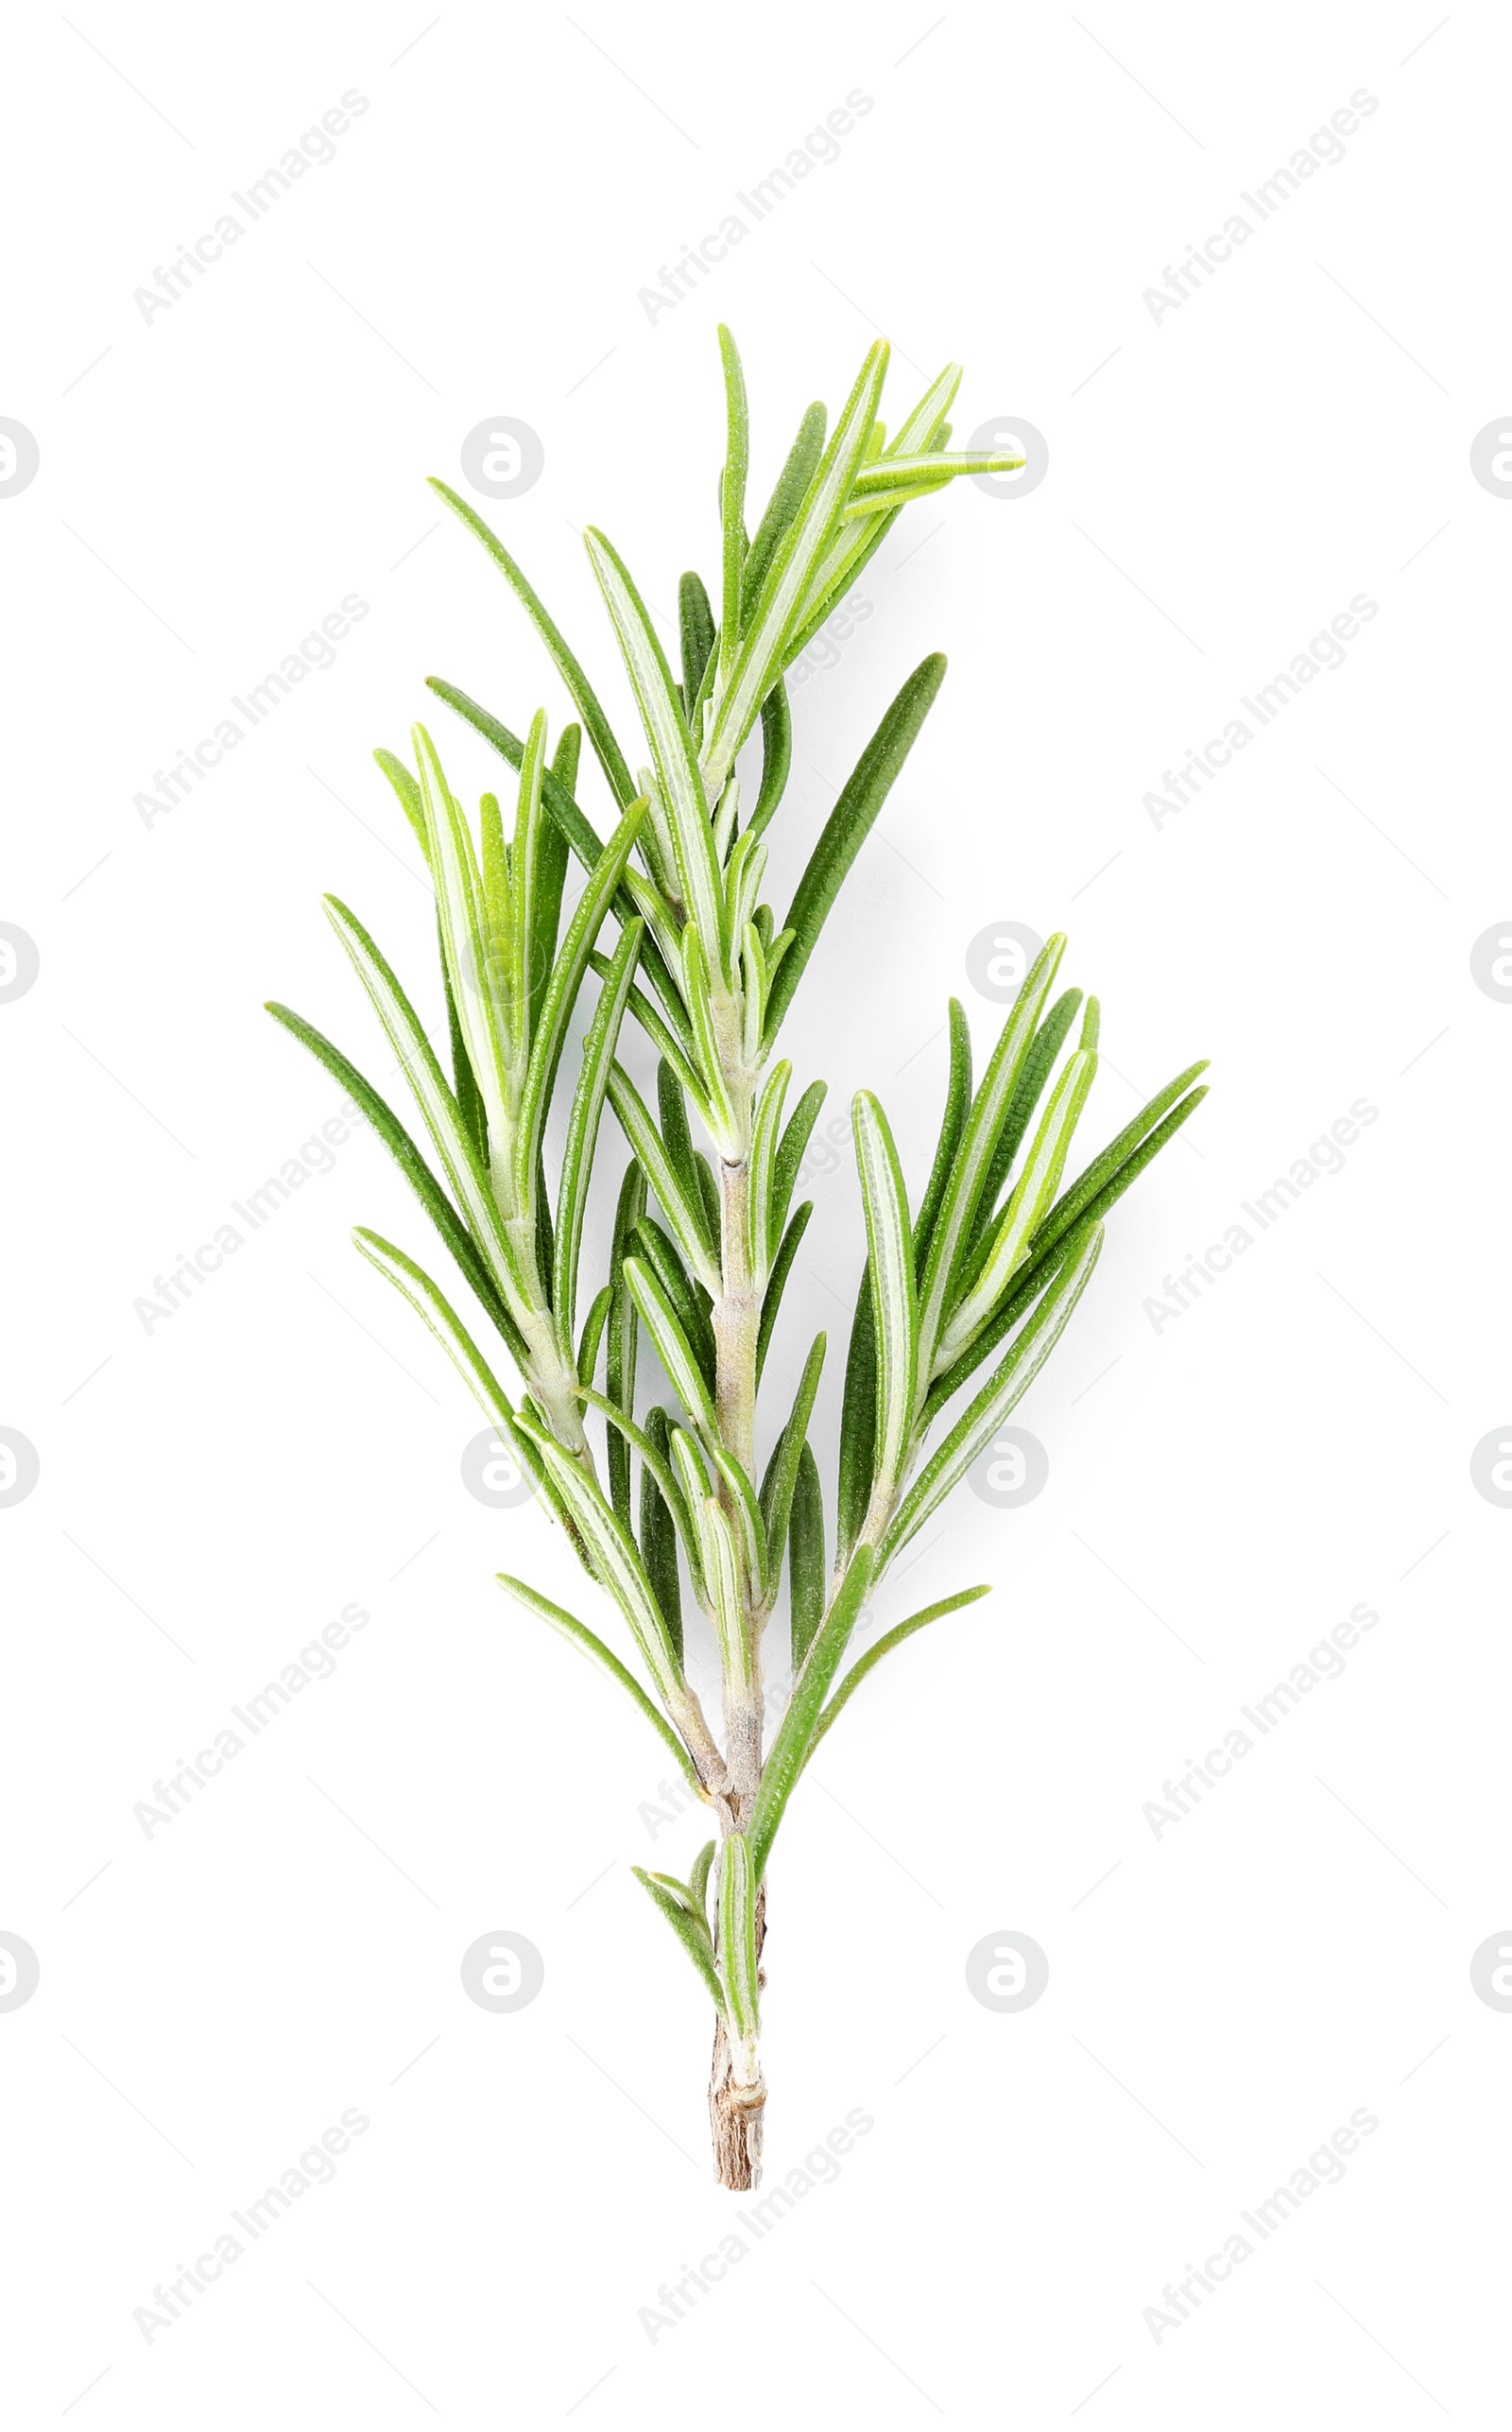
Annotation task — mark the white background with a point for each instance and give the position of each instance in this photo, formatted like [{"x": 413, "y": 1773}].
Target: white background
[{"x": 1222, "y": 1490}]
